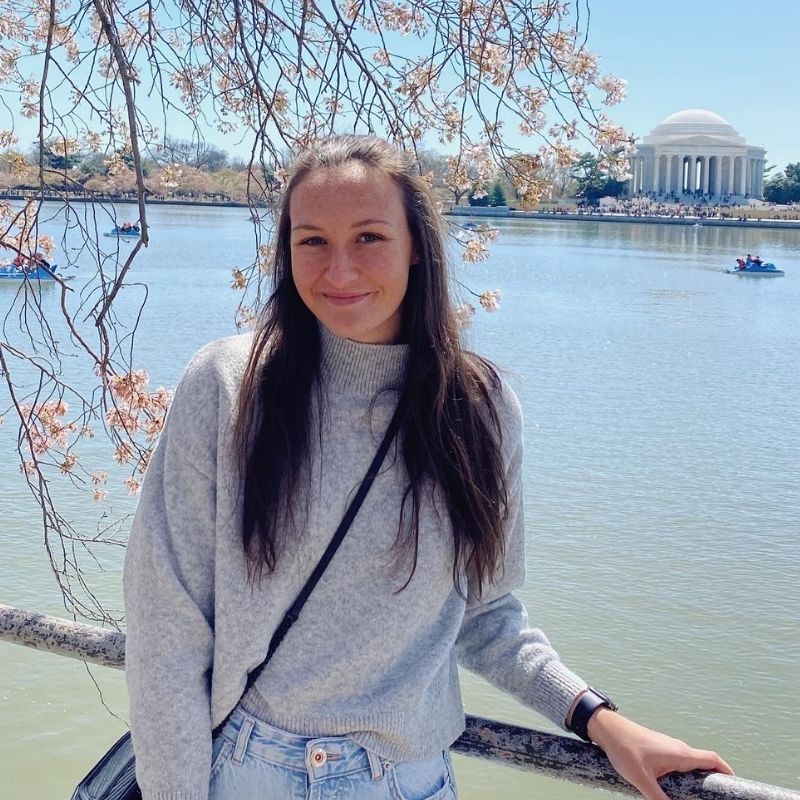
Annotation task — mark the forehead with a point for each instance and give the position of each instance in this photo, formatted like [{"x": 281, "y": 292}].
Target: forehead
[{"x": 348, "y": 186}]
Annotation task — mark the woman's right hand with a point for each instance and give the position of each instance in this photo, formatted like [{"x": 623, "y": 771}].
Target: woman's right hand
[{"x": 642, "y": 756}]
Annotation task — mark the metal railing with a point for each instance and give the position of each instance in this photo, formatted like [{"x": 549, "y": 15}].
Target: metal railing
[{"x": 522, "y": 748}]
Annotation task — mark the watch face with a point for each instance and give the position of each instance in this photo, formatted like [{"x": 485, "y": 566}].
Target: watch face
[{"x": 608, "y": 701}]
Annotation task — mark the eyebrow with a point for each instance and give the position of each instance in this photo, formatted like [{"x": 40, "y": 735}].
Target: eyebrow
[{"x": 370, "y": 221}]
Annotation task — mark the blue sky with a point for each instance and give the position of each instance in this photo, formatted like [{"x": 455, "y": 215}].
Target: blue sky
[{"x": 737, "y": 58}]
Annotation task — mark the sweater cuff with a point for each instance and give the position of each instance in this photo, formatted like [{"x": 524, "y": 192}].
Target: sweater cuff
[{"x": 557, "y": 686}]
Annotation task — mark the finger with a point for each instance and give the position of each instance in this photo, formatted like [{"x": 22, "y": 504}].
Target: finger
[
  {"x": 650, "y": 789},
  {"x": 708, "y": 759},
  {"x": 721, "y": 765}
]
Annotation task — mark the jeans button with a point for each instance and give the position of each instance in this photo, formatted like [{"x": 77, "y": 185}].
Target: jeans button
[{"x": 318, "y": 757}]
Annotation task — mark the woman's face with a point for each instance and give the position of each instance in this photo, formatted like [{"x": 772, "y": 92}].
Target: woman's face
[{"x": 351, "y": 251}]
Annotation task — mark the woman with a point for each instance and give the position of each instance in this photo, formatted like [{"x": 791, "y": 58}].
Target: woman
[{"x": 266, "y": 440}]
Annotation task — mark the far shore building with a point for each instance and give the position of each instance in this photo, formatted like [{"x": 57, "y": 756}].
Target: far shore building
[{"x": 698, "y": 153}]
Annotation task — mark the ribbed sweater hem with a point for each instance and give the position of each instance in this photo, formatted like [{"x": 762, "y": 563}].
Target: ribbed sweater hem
[{"x": 393, "y": 735}]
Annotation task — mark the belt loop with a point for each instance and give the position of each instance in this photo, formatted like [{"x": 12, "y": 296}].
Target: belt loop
[
  {"x": 242, "y": 739},
  {"x": 376, "y": 765}
]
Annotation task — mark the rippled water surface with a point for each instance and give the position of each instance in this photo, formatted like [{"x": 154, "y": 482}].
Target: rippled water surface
[{"x": 661, "y": 402}]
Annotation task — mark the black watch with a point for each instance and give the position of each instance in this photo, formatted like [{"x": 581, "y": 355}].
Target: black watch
[{"x": 589, "y": 702}]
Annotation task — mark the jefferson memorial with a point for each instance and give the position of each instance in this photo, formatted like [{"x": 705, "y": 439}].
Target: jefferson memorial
[{"x": 696, "y": 152}]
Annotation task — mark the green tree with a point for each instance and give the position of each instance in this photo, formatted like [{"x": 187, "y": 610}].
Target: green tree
[
  {"x": 792, "y": 172},
  {"x": 784, "y": 188},
  {"x": 592, "y": 182},
  {"x": 497, "y": 197},
  {"x": 58, "y": 153},
  {"x": 481, "y": 201}
]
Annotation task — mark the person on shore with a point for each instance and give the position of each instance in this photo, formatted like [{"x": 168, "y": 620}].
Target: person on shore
[{"x": 264, "y": 444}]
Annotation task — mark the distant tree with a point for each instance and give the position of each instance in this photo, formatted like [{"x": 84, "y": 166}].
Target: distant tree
[
  {"x": 433, "y": 163},
  {"x": 176, "y": 151},
  {"x": 497, "y": 196},
  {"x": 792, "y": 172},
  {"x": 480, "y": 201},
  {"x": 93, "y": 164},
  {"x": 15, "y": 170},
  {"x": 58, "y": 153},
  {"x": 784, "y": 188},
  {"x": 197, "y": 154},
  {"x": 592, "y": 181},
  {"x": 558, "y": 178},
  {"x": 210, "y": 158}
]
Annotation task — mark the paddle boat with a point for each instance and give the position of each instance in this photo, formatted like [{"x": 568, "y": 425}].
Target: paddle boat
[
  {"x": 126, "y": 233},
  {"x": 9, "y": 272},
  {"x": 764, "y": 269}
]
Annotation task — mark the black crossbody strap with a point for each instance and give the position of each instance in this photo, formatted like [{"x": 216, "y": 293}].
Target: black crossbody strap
[{"x": 291, "y": 616}]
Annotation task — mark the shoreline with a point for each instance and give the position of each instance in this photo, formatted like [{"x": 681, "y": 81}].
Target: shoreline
[
  {"x": 151, "y": 201},
  {"x": 710, "y": 222},
  {"x": 500, "y": 212}
]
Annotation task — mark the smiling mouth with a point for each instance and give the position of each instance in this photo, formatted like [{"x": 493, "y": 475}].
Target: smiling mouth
[{"x": 345, "y": 299}]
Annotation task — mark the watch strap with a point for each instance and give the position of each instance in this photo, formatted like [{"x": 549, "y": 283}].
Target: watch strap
[{"x": 587, "y": 704}]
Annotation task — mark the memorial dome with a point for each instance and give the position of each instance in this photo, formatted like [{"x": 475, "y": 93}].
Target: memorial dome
[{"x": 695, "y": 126}]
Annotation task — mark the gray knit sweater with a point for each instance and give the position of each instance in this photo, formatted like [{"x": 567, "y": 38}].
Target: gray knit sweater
[{"x": 365, "y": 659}]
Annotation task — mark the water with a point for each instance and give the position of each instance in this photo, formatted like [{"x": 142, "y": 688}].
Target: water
[{"x": 662, "y": 486}]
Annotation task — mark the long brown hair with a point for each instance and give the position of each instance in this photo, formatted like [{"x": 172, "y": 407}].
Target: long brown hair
[{"x": 450, "y": 433}]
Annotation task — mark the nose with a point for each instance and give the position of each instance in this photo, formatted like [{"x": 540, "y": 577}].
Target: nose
[{"x": 340, "y": 269}]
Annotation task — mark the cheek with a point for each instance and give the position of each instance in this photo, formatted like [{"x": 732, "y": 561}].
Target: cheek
[{"x": 304, "y": 272}]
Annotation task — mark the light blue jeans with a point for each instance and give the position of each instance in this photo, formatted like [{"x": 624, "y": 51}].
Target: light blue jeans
[{"x": 255, "y": 761}]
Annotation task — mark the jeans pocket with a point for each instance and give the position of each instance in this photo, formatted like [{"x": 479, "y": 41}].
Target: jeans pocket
[
  {"x": 220, "y": 752},
  {"x": 427, "y": 779}
]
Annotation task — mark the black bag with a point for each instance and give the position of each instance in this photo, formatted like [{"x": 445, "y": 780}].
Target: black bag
[{"x": 114, "y": 776}]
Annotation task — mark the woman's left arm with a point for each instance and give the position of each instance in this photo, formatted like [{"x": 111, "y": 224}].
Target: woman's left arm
[
  {"x": 642, "y": 755},
  {"x": 496, "y": 642}
]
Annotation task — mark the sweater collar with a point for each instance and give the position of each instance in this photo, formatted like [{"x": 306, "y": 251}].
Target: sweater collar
[{"x": 359, "y": 368}]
